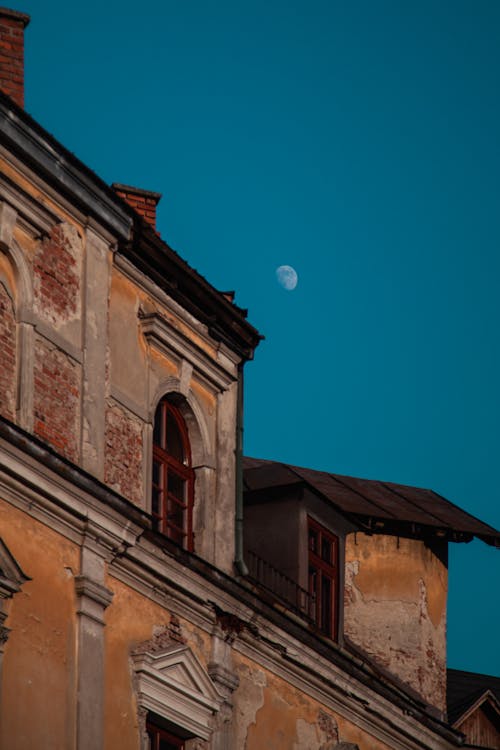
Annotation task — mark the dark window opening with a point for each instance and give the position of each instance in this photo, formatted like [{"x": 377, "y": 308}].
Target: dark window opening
[
  {"x": 323, "y": 577},
  {"x": 160, "y": 739},
  {"x": 173, "y": 476}
]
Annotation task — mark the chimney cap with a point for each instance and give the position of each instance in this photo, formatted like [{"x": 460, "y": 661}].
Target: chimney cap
[
  {"x": 136, "y": 191},
  {"x": 16, "y": 15}
]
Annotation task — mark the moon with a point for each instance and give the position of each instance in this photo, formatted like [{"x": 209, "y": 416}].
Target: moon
[{"x": 287, "y": 277}]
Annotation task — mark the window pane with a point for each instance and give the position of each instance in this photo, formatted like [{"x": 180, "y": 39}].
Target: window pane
[
  {"x": 176, "y": 515},
  {"x": 313, "y": 580},
  {"x": 152, "y": 739},
  {"x": 313, "y": 540},
  {"x": 157, "y": 431},
  {"x": 176, "y": 535},
  {"x": 166, "y": 745},
  {"x": 156, "y": 473},
  {"x": 326, "y": 550},
  {"x": 176, "y": 486},
  {"x": 326, "y": 605},
  {"x": 175, "y": 446}
]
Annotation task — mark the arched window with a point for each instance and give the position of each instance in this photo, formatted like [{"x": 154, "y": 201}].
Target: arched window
[{"x": 173, "y": 475}]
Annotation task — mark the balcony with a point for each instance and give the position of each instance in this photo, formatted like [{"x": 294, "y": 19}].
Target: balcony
[{"x": 283, "y": 589}]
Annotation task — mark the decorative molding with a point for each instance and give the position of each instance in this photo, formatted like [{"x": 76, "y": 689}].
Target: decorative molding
[
  {"x": 128, "y": 403},
  {"x": 93, "y": 598},
  {"x": 85, "y": 586},
  {"x": 11, "y": 580},
  {"x": 185, "y": 379},
  {"x": 168, "y": 340},
  {"x": 229, "y": 359},
  {"x": 174, "y": 684},
  {"x": 223, "y": 677},
  {"x": 46, "y": 155},
  {"x": 8, "y": 218},
  {"x": 75, "y": 513},
  {"x": 49, "y": 333},
  {"x": 4, "y": 635},
  {"x": 32, "y": 216},
  {"x": 11, "y": 575}
]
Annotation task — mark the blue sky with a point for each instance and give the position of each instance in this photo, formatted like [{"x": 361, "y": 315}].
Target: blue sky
[{"x": 359, "y": 143}]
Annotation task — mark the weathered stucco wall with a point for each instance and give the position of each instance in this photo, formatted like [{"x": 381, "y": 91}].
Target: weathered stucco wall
[
  {"x": 270, "y": 714},
  {"x": 123, "y": 634},
  {"x": 395, "y": 609},
  {"x": 38, "y": 691}
]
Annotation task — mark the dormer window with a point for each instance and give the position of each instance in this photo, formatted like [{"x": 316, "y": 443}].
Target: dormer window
[
  {"x": 323, "y": 577},
  {"x": 173, "y": 476}
]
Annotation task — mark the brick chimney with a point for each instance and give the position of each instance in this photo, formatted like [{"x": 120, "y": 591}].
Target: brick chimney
[
  {"x": 142, "y": 201},
  {"x": 12, "y": 25}
]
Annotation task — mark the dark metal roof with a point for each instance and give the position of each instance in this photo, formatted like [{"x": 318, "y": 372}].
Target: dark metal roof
[
  {"x": 378, "y": 507},
  {"x": 464, "y": 689}
]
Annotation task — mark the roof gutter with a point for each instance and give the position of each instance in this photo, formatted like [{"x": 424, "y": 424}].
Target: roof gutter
[{"x": 239, "y": 561}]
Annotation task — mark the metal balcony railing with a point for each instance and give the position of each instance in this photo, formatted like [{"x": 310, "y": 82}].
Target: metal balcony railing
[{"x": 290, "y": 594}]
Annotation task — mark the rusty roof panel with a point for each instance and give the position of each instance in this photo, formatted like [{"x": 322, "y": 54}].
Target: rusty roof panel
[
  {"x": 395, "y": 504},
  {"x": 340, "y": 495},
  {"x": 390, "y": 504}
]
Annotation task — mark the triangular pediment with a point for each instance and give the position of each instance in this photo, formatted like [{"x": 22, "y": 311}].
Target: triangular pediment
[
  {"x": 174, "y": 684},
  {"x": 179, "y": 665},
  {"x": 487, "y": 702},
  {"x": 11, "y": 575}
]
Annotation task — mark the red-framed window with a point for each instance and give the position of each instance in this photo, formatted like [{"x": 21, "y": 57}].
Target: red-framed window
[
  {"x": 173, "y": 475},
  {"x": 159, "y": 739},
  {"x": 323, "y": 577}
]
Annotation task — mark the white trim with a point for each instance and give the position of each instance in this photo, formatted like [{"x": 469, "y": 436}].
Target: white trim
[{"x": 174, "y": 684}]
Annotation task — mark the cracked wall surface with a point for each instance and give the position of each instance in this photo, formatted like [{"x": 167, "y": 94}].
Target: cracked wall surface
[
  {"x": 395, "y": 609},
  {"x": 271, "y": 714},
  {"x": 39, "y": 666}
]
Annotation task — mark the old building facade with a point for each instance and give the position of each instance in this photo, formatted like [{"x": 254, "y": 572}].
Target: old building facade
[{"x": 135, "y": 611}]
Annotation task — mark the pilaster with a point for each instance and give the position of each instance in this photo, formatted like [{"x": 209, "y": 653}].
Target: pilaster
[
  {"x": 95, "y": 336},
  {"x": 92, "y": 600},
  {"x": 220, "y": 669}
]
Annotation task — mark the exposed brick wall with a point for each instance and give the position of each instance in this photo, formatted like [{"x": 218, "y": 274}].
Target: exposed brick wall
[
  {"x": 12, "y": 25},
  {"x": 57, "y": 399},
  {"x": 123, "y": 460},
  {"x": 57, "y": 275},
  {"x": 7, "y": 355}
]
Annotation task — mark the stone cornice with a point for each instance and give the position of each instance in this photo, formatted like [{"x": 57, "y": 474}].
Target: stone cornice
[
  {"x": 93, "y": 598},
  {"x": 46, "y": 156},
  {"x": 170, "y": 341}
]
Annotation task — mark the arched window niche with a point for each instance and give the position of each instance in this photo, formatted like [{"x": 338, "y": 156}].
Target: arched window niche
[
  {"x": 172, "y": 490},
  {"x": 179, "y": 464},
  {"x": 16, "y": 329}
]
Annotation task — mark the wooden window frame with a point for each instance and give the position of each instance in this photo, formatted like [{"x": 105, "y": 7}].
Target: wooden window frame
[
  {"x": 156, "y": 734},
  {"x": 167, "y": 465},
  {"x": 320, "y": 570}
]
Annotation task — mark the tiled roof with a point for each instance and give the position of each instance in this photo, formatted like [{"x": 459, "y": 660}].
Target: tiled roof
[
  {"x": 374, "y": 506},
  {"x": 466, "y": 688}
]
